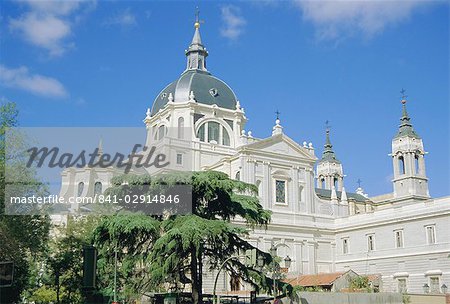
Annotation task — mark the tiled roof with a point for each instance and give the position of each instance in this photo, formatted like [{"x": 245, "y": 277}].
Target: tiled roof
[{"x": 321, "y": 279}]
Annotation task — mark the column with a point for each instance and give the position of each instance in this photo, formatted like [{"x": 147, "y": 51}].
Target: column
[
  {"x": 312, "y": 247},
  {"x": 295, "y": 195}
]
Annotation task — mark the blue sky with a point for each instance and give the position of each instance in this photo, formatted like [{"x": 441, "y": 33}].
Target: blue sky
[{"x": 102, "y": 63}]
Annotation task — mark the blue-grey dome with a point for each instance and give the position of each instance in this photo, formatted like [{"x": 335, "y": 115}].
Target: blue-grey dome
[{"x": 207, "y": 90}]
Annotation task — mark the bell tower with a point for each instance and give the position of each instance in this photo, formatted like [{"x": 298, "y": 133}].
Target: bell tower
[
  {"x": 408, "y": 159},
  {"x": 329, "y": 168}
]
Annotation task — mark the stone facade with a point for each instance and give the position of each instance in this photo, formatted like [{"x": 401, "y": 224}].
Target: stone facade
[{"x": 404, "y": 236}]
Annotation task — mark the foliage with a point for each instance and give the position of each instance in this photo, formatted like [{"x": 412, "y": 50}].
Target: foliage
[
  {"x": 23, "y": 237},
  {"x": 361, "y": 282},
  {"x": 64, "y": 262},
  {"x": 169, "y": 252},
  {"x": 43, "y": 294},
  {"x": 299, "y": 288}
]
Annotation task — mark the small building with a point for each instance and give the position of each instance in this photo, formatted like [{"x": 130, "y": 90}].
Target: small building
[{"x": 334, "y": 281}]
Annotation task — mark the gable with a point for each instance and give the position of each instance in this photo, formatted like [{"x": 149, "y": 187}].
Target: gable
[{"x": 279, "y": 145}]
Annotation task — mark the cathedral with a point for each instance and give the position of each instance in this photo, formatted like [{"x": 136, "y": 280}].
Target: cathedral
[{"x": 401, "y": 240}]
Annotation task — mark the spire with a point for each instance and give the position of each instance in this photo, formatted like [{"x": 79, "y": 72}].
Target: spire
[
  {"x": 334, "y": 198},
  {"x": 277, "y": 129},
  {"x": 344, "y": 199},
  {"x": 405, "y": 128},
  {"x": 328, "y": 153},
  {"x": 100, "y": 147},
  {"x": 196, "y": 53}
]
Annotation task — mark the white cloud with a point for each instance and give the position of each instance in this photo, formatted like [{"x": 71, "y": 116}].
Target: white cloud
[
  {"x": 125, "y": 18},
  {"x": 46, "y": 31},
  {"x": 338, "y": 19},
  {"x": 48, "y": 24},
  {"x": 233, "y": 21},
  {"x": 20, "y": 78}
]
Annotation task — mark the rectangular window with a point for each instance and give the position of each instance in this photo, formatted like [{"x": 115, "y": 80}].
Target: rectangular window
[
  {"x": 434, "y": 285},
  {"x": 280, "y": 191},
  {"x": 399, "y": 239},
  {"x": 371, "y": 242},
  {"x": 431, "y": 234},
  {"x": 344, "y": 246},
  {"x": 179, "y": 159},
  {"x": 402, "y": 285}
]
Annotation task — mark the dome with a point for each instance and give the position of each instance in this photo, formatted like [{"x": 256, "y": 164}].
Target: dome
[{"x": 207, "y": 90}]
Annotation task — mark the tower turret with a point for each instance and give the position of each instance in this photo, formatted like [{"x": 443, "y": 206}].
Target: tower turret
[
  {"x": 329, "y": 168},
  {"x": 196, "y": 53},
  {"x": 408, "y": 159}
]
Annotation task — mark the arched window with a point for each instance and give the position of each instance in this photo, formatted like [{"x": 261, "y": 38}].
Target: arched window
[
  {"x": 97, "y": 188},
  {"x": 416, "y": 163},
  {"x": 238, "y": 175},
  {"x": 201, "y": 133},
  {"x": 401, "y": 164},
  {"x": 212, "y": 131},
  {"x": 322, "y": 183},
  {"x": 80, "y": 188},
  {"x": 335, "y": 182},
  {"x": 181, "y": 127},
  {"x": 161, "y": 132},
  {"x": 225, "y": 137}
]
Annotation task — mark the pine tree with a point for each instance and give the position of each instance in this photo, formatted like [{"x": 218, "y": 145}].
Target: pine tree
[{"x": 166, "y": 251}]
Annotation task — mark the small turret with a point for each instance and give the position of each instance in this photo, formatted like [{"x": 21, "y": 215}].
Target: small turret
[
  {"x": 329, "y": 168},
  {"x": 408, "y": 159}
]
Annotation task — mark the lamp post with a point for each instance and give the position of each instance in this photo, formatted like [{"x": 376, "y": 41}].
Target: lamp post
[
  {"x": 115, "y": 256},
  {"x": 444, "y": 288},
  {"x": 115, "y": 276},
  {"x": 276, "y": 266},
  {"x": 426, "y": 288}
]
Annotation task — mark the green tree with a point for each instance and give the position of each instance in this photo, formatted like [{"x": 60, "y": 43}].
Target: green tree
[
  {"x": 171, "y": 250},
  {"x": 23, "y": 237},
  {"x": 64, "y": 263}
]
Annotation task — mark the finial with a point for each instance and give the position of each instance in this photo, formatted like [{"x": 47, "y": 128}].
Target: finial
[
  {"x": 170, "y": 97},
  {"x": 359, "y": 181},
  {"x": 327, "y": 126},
  {"x": 403, "y": 91},
  {"x": 197, "y": 18},
  {"x": 148, "y": 112},
  {"x": 278, "y": 114}
]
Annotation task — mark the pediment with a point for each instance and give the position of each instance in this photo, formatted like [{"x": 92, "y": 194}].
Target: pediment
[{"x": 279, "y": 145}]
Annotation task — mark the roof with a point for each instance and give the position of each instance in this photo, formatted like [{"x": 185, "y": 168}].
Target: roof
[
  {"x": 207, "y": 90},
  {"x": 321, "y": 279},
  {"x": 405, "y": 128},
  {"x": 328, "y": 154},
  {"x": 326, "y": 194}
]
